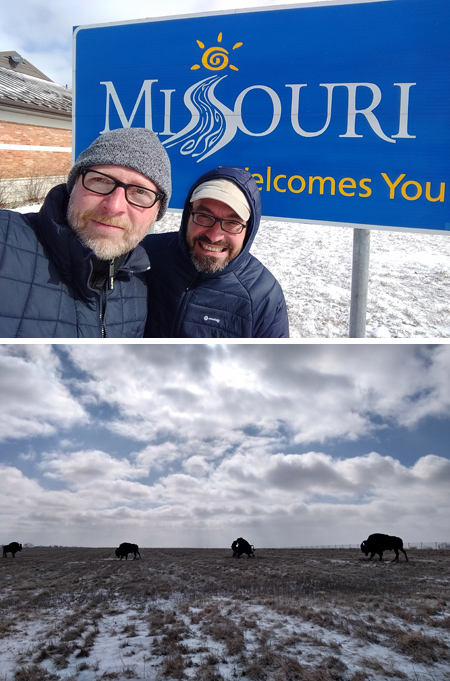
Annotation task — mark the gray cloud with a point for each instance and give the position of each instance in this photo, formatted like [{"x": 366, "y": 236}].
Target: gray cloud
[
  {"x": 35, "y": 400},
  {"x": 89, "y": 467},
  {"x": 194, "y": 393},
  {"x": 211, "y": 452},
  {"x": 412, "y": 502},
  {"x": 209, "y": 399}
]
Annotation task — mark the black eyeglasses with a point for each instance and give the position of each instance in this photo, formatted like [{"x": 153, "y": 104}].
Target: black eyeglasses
[
  {"x": 99, "y": 183},
  {"x": 206, "y": 220}
]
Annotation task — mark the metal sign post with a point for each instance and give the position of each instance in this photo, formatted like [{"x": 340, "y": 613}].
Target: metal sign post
[{"x": 360, "y": 283}]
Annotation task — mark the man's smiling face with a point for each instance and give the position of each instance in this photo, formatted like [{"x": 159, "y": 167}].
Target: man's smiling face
[{"x": 211, "y": 248}]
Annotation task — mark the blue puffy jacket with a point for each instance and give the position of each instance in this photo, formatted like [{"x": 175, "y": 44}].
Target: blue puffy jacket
[
  {"x": 46, "y": 277},
  {"x": 242, "y": 301}
]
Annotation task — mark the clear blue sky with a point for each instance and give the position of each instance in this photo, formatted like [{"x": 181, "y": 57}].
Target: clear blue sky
[{"x": 197, "y": 444}]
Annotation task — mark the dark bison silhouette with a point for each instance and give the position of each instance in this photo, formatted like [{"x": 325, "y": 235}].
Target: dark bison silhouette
[
  {"x": 377, "y": 543},
  {"x": 126, "y": 548},
  {"x": 241, "y": 546},
  {"x": 12, "y": 548}
]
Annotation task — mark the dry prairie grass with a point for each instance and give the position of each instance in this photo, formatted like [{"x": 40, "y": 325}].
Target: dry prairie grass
[{"x": 288, "y": 615}]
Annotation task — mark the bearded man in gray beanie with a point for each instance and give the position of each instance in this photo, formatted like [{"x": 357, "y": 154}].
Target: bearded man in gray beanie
[{"x": 76, "y": 268}]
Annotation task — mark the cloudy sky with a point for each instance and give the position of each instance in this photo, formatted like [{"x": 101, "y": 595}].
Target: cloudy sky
[
  {"x": 197, "y": 444},
  {"x": 41, "y": 30}
]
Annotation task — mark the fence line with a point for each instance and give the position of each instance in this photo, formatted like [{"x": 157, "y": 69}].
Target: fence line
[{"x": 407, "y": 545}]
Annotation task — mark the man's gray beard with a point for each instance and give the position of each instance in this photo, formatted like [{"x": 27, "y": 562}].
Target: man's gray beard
[
  {"x": 103, "y": 249},
  {"x": 208, "y": 264}
]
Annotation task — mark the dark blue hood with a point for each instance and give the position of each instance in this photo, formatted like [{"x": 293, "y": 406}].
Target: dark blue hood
[
  {"x": 244, "y": 300},
  {"x": 247, "y": 184}
]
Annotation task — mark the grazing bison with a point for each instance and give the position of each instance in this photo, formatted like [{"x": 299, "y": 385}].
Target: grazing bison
[
  {"x": 241, "y": 546},
  {"x": 377, "y": 543},
  {"x": 12, "y": 548},
  {"x": 126, "y": 548}
]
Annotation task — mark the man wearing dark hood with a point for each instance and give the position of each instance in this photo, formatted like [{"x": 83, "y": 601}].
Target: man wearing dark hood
[{"x": 203, "y": 281}]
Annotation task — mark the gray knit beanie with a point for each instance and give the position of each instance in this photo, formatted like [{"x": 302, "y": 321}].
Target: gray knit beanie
[{"x": 135, "y": 148}]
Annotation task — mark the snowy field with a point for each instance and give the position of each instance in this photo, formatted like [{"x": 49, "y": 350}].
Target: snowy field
[
  {"x": 80, "y": 614},
  {"x": 409, "y": 278}
]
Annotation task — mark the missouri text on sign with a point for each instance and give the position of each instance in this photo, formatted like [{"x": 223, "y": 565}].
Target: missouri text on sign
[{"x": 340, "y": 111}]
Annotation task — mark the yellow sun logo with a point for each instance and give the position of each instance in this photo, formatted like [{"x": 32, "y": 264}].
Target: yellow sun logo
[{"x": 216, "y": 58}]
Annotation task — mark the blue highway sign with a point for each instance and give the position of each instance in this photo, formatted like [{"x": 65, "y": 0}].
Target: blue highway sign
[{"x": 340, "y": 111}]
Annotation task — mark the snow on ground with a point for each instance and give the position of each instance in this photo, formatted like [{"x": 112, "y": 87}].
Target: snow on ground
[
  {"x": 123, "y": 647},
  {"x": 200, "y": 615},
  {"x": 409, "y": 278}
]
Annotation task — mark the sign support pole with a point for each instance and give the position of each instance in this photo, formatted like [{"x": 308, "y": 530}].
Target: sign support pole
[{"x": 360, "y": 281}]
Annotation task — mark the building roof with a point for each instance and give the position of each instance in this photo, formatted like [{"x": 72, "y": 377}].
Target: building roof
[
  {"x": 34, "y": 94},
  {"x": 15, "y": 62}
]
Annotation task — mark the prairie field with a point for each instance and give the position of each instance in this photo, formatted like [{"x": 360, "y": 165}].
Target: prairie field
[{"x": 199, "y": 614}]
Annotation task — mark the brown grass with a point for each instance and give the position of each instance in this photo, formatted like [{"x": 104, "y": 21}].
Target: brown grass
[
  {"x": 422, "y": 648},
  {"x": 33, "y": 672},
  {"x": 288, "y": 615}
]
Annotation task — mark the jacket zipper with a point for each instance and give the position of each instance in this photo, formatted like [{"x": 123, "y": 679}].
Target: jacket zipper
[
  {"x": 111, "y": 275},
  {"x": 108, "y": 285},
  {"x": 188, "y": 291},
  {"x": 102, "y": 314}
]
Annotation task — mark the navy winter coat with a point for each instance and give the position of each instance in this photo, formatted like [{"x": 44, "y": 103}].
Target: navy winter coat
[
  {"x": 46, "y": 289},
  {"x": 242, "y": 301}
]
